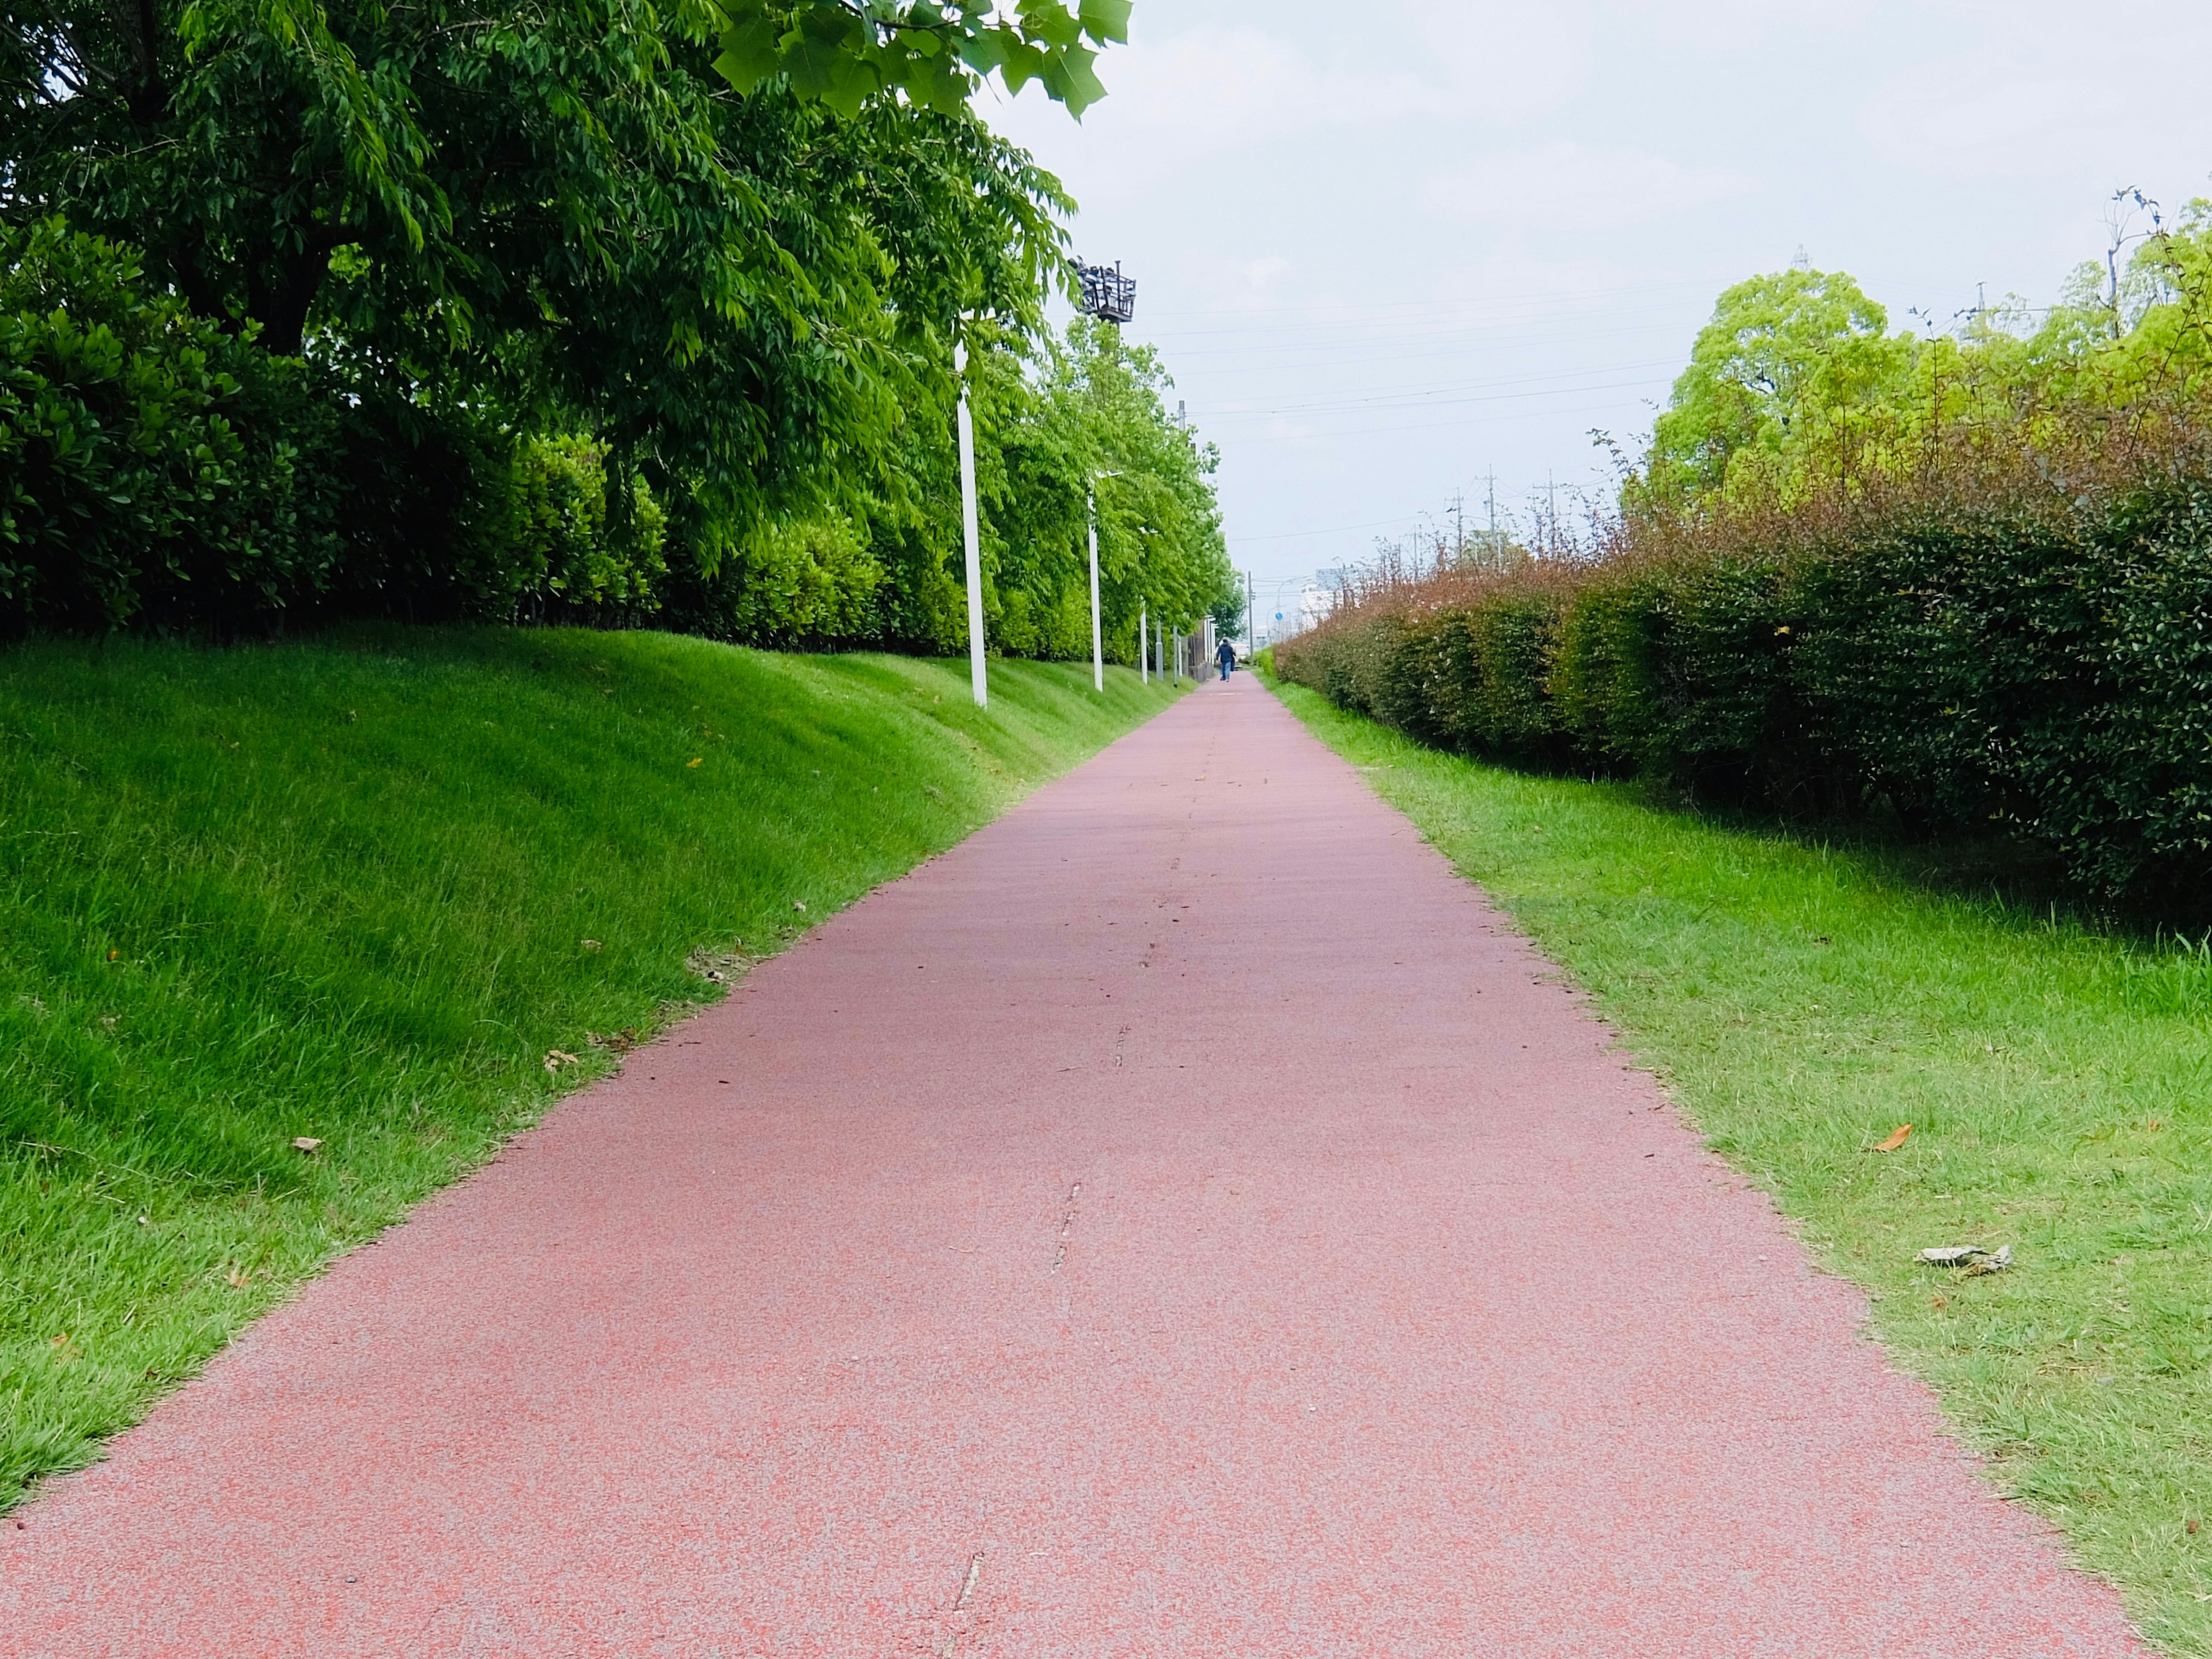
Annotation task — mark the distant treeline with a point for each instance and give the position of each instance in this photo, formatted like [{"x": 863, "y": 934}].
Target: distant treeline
[
  {"x": 1964, "y": 582},
  {"x": 429, "y": 312}
]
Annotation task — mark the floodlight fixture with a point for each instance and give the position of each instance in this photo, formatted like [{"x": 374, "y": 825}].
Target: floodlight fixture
[{"x": 1107, "y": 295}]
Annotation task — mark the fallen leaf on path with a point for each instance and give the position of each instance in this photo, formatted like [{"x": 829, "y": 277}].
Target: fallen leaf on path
[
  {"x": 1897, "y": 1137},
  {"x": 306, "y": 1143}
]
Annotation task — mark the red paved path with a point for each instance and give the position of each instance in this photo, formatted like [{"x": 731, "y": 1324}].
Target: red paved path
[{"x": 963, "y": 1287}]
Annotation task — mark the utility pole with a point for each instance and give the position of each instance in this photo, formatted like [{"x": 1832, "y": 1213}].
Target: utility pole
[
  {"x": 1098, "y": 646},
  {"x": 978, "y": 678},
  {"x": 1144, "y": 647},
  {"x": 1251, "y": 616}
]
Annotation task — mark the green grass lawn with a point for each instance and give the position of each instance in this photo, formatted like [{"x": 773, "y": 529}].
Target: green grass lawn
[
  {"x": 1801, "y": 1002},
  {"x": 356, "y": 890}
]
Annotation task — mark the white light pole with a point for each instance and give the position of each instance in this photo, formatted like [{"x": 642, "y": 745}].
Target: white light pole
[
  {"x": 1098, "y": 646},
  {"x": 1144, "y": 648},
  {"x": 974, "y": 538},
  {"x": 1097, "y": 643}
]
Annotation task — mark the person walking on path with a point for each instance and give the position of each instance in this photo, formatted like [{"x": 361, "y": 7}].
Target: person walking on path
[{"x": 1226, "y": 655}]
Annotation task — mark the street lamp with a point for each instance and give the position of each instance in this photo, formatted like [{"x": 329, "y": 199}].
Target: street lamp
[
  {"x": 1112, "y": 298},
  {"x": 1105, "y": 293},
  {"x": 978, "y": 680},
  {"x": 1098, "y": 646}
]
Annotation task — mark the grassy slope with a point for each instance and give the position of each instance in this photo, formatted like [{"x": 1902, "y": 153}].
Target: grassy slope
[
  {"x": 356, "y": 890},
  {"x": 1801, "y": 1002}
]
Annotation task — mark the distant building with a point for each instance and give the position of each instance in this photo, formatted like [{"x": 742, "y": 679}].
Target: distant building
[{"x": 1315, "y": 603}]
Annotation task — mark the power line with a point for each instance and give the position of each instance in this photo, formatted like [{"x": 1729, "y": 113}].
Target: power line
[
  {"x": 1378, "y": 403},
  {"x": 1338, "y": 530},
  {"x": 1378, "y": 305}
]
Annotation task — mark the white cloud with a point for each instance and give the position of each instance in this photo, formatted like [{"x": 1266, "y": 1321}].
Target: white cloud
[
  {"x": 1979, "y": 116},
  {"x": 1564, "y": 183},
  {"x": 1221, "y": 85},
  {"x": 1243, "y": 86},
  {"x": 2045, "y": 107}
]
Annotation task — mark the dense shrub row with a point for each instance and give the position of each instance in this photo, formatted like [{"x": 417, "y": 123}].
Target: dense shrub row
[
  {"x": 1959, "y": 662},
  {"x": 155, "y": 468}
]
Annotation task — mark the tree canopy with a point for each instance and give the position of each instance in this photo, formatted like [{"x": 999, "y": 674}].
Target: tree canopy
[
  {"x": 1782, "y": 353},
  {"x": 614, "y": 309},
  {"x": 1797, "y": 382},
  {"x": 847, "y": 51}
]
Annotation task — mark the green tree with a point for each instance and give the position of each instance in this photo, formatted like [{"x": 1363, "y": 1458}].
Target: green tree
[
  {"x": 563, "y": 212},
  {"x": 847, "y": 52},
  {"x": 1786, "y": 359}
]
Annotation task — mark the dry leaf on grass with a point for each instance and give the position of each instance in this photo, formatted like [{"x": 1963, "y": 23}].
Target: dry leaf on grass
[
  {"x": 616, "y": 1042},
  {"x": 1971, "y": 1257},
  {"x": 556, "y": 1058},
  {"x": 1897, "y": 1137},
  {"x": 306, "y": 1144}
]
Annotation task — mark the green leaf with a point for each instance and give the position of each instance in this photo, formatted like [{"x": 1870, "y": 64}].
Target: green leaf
[
  {"x": 1050, "y": 22},
  {"x": 829, "y": 57},
  {"x": 941, "y": 85},
  {"x": 1023, "y": 64},
  {"x": 1106, "y": 20},
  {"x": 751, "y": 51},
  {"x": 986, "y": 49},
  {"x": 1069, "y": 77}
]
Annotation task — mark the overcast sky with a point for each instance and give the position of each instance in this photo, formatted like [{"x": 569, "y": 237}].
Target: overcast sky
[{"x": 1390, "y": 249}]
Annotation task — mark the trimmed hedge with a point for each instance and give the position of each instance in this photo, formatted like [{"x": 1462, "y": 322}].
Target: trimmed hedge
[
  {"x": 158, "y": 470},
  {"x": 149, "y": 461},
  {"x": 2047, "y": 669}
]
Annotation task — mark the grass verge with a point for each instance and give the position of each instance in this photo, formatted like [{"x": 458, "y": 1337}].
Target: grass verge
[
  {"x": 1801, "y": 1002},
  {"x": 357, "y": 890}
]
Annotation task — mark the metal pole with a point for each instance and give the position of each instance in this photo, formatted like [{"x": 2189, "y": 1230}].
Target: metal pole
[
  {"x": 1098, "y": 646},
  {"x": 1144, "y": 649},
  {"x": 968, "y": 529}
]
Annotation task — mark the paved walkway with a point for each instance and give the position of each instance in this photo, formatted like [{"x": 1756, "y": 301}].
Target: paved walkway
[{"x": 1182, "y": 1220}]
